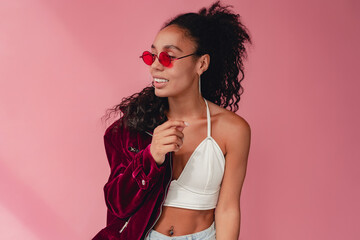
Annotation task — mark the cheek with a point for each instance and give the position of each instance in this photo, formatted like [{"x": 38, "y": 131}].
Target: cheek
[
  {"x": 186, "y": 71},
  {"x": 182, "y": 78}
]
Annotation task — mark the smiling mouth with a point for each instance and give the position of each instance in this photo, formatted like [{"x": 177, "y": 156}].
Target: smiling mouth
[{"x": 159, "y": 80}]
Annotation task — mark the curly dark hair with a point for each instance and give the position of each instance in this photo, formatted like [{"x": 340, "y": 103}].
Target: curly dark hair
[{"x": 216, "y": 31}]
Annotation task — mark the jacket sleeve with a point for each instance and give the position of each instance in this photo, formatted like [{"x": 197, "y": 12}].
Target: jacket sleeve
[{"x": 132, "y": 177}]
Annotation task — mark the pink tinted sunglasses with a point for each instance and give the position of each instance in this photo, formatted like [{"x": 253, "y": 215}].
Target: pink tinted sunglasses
[{"x": 164, "y": 58}]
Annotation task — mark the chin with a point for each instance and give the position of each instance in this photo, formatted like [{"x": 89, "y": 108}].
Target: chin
[
  {"x": 160, "y": 93},
  {"x": 164, "y": 93}
]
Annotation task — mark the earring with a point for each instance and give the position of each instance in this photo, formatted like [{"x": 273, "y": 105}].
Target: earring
[{"x": 200, "y": 84}]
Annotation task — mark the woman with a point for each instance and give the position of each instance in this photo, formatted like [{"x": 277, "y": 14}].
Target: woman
[{"x": 178, "y": 157}]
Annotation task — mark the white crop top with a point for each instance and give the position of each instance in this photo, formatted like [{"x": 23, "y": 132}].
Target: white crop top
[{"x": 198, "y": 185}]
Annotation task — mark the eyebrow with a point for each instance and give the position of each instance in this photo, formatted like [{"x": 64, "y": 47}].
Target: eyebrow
[{"x": 168, "y": 47}]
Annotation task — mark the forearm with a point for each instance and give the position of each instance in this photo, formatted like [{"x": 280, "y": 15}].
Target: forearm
[{"x": 227, "y": 224}]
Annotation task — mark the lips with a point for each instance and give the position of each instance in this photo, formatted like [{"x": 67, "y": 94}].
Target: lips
[{"x": 160, "y": 82}]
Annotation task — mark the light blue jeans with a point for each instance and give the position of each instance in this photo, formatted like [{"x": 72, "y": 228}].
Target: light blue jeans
[{"x": 207, "y": 234}]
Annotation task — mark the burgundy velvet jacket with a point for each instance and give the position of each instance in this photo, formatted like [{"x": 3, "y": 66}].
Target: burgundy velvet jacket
[{"x": 137, "y": 186}]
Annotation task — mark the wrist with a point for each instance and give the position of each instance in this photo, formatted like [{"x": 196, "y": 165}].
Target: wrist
[{"x": 159, "y": 160}]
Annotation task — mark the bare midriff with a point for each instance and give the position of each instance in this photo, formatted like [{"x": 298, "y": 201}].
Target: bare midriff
[{"x": 183, "y": 221}]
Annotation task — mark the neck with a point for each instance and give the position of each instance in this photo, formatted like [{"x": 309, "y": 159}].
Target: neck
[{"x": 186, "y": 107}]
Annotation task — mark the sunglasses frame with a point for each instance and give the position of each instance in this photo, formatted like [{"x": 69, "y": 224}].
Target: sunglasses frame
[{"x": 171, "y": 58}]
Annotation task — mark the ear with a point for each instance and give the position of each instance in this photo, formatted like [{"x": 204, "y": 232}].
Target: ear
[{"x": 203, "y": 63}]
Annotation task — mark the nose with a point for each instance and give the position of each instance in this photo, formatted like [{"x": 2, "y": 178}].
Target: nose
[{"x": 156, "y": 65}]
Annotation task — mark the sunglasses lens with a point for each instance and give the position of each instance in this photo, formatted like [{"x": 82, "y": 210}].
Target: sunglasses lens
[
  {"x": 164, "y": 59},
  {"x": 147, "y": 57}
]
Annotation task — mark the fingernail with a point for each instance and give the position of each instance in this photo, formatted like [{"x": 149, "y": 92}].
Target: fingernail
[{"x": 186, "y": 123}]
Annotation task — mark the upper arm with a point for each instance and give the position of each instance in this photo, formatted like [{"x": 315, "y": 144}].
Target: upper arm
[{"x": 237, "y": 151}]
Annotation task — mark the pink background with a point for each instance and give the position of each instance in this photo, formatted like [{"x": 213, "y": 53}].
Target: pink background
[{"x": 62, "y": 63}]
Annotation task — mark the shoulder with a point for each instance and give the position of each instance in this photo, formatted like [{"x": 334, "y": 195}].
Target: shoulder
[
  {"x": 120, "y": 135},
  {"x": 229, "y": 120},
  {"x": 114, "y": 128},
  {"x": 235, "y": 130}
]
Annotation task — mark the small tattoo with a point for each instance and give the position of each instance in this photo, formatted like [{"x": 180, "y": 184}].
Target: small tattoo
[{"x": 171, "y": 232}]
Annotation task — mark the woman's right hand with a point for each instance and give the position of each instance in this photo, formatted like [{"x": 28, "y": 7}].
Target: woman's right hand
[{"x": 167, "y": 137}]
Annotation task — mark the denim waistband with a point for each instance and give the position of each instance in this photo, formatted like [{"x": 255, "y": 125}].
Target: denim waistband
[{"x": 207, "y": 234}]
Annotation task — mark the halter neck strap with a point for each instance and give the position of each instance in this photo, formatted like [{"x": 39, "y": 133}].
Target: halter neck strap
[{"x": 208, "y": 119}]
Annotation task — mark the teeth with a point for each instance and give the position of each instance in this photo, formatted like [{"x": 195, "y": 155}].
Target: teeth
[{"x": 160, "y": 80}]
